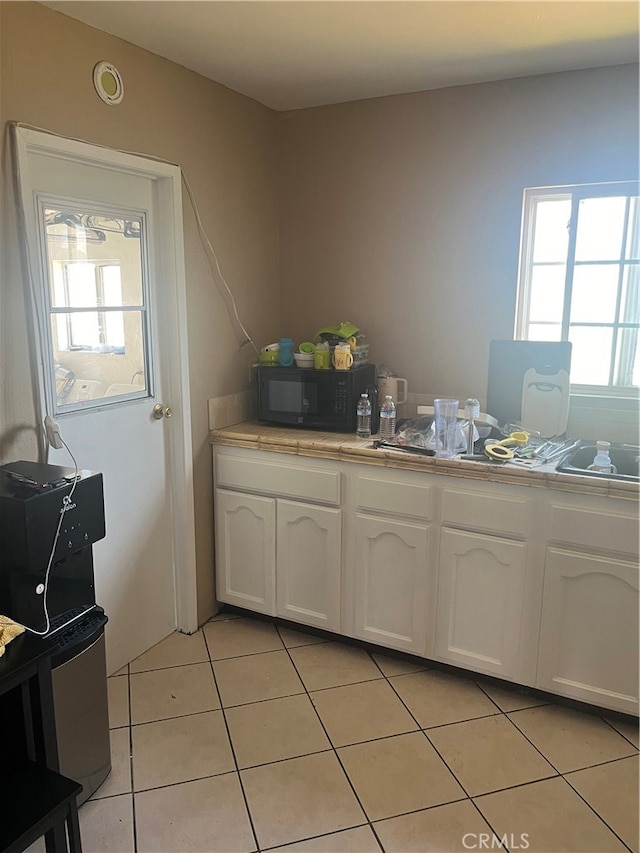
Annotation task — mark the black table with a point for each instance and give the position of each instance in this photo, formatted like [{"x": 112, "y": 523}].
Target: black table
[{"x": 35, "y": 798}]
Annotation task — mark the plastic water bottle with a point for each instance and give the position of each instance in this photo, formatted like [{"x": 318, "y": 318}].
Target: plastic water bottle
[
  {"x": 388, "y": 419},
  {"x": 364, "y": 416},
  {"x": 602, "y": 460}
]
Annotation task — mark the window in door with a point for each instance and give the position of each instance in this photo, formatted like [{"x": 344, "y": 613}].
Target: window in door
[
  {"x": 578, "y": 280},
  {"x": 97, "y": 305},
  {"x": 96, "y": 284}
]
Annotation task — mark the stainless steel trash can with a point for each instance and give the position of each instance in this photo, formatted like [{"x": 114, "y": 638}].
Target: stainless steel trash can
[{"x": 79, "y": 675}]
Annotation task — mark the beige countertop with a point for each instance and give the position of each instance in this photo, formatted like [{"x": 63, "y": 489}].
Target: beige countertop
[{"x": 348, "y": 448}]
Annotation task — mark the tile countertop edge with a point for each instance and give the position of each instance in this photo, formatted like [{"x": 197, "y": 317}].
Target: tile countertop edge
[{"x": 316, "y": 444}]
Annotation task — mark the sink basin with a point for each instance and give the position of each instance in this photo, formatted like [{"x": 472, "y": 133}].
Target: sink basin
[{"x": 623, "y": 456}]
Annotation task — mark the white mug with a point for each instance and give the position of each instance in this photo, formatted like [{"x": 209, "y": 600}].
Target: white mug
[{"x": 388, "y": 385}]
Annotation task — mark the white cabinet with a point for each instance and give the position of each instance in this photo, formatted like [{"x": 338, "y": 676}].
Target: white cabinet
[
  {"x": 273, "y": 555},
  {"x": 389, "y": 568},
  {"x": 481, "y": 598},
  {"x": 308, "y": 564},
  {"x": 533, "y": 585},
  {"x": 246, "y": 550},
  {"x": 390, "y": 582},
  {"x": 589, "y": 630},
  {"x": 490, "y": 575}
]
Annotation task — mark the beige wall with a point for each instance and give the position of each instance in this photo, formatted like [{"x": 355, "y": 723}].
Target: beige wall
[
  {"x": 225, "y": 143},
  {"x": 402, "y": 214}
]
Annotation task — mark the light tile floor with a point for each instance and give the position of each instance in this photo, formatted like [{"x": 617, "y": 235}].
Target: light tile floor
[{"x": 247, "y": 737}]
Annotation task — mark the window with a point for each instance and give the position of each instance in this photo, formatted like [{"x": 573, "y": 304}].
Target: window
[
  {"x": 91, "y": 286},
  {"x": 578, "y": 280},
  {"x": 97, "y": 304}
]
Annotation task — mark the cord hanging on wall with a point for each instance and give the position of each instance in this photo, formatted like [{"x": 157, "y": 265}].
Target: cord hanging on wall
[{"x": 108, "y": 83}]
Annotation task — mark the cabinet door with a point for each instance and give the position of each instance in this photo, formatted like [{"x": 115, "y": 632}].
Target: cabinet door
[
  {"x": 481, "y": 586},
  {"x": 308, "y": 572},
  {"x": 390, "y": 587},
  {"x": 246, "y": 551},
  {"x": 589, "y": 632}
]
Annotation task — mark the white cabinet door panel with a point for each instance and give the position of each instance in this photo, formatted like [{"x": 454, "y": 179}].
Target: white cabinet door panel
[
  {"x": 309, "y": 564},
  {"x": 600, "y": 529},
  {"x": 480, "y": 602},
  {"x": 490, "y": 511},
  {"x": 246, "y": 551},
  {"x": 247, "y": 472},
  {"x": 395, "y": 493},
  {"x": 589, "y": 631},
  {"x": 391, "y": 582}
]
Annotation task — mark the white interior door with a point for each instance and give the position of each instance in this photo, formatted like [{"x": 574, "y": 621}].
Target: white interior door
[{"x": 104, "y": 240}]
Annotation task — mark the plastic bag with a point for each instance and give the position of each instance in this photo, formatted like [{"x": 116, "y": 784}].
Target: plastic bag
[{"x": 420, "y": 432}]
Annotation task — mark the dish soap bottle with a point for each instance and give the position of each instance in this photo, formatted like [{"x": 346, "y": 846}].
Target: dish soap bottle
[
  {"x": 364, "y": 417},
  {"x": 388, "y": 419},
  {"x": 602, "y": 460}
]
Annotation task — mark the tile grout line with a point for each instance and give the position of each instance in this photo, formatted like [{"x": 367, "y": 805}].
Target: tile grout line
[
  {"x": 231, "y": 746},
  {"x": 509, "y": 787},
  {"x": 310, "y": 838},
  {"x": 414, "y": 718},
  {"x": 334, "y": 750},
  {"x": 169, "y": 666},
  {"x": 502, "y": 710},
  {"x": 610, "y": 828},
  {"x": 605, "y": 720},
  {"x": 562, "y": 776},
  {"x": 131, "y": 779},
  {"x": 538, "y": 750}
]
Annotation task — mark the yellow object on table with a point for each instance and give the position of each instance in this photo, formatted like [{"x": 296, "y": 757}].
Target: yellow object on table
[
  {"x": 9, "y": 630},
  {"x": 501, "y": 450}
]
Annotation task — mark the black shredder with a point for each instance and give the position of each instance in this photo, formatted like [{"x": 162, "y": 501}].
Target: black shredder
[{"x": 32, "y": 501}]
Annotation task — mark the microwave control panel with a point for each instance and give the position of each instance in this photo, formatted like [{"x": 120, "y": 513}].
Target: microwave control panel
[{"x": 340, "y": 398}]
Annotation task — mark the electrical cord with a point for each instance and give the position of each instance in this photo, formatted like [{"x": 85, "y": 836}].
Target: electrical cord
[{"x": 206, "y": 243}]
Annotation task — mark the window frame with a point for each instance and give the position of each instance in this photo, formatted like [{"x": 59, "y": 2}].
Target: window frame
[
  {"x": 574, "y": 193},
  {"x": 46, "y": 311},
  {"x": 100, "y": 308}
]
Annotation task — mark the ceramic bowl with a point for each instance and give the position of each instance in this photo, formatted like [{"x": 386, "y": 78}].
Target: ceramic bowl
[{"x": 304, "y": 359}]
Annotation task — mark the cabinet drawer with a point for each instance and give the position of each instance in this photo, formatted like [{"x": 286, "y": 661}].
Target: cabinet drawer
[
  {"x": 395, "y": 495},
  {"x": 484, "y": 511},
  {"x": 278, "y": 479},
  {"x": 591, "y": 529}
]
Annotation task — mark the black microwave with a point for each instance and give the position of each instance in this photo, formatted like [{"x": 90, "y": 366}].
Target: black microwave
[{"x": 317, "y": 399}]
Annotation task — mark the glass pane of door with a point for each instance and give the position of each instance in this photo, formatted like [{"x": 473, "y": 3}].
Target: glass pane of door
[{"x": 98, "y": 306}]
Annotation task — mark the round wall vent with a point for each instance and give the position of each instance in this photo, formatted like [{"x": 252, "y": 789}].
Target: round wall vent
[{"x": 108, "y": 83}]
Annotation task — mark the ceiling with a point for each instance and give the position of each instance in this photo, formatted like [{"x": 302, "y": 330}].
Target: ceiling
[{"x": 292, "y": 54}]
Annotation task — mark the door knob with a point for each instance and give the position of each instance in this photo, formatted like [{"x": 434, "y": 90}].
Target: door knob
[{"x": 159, "y": 411}]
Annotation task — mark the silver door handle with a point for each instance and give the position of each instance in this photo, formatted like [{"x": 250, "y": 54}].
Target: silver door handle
[{"x": 159, "y": 411}]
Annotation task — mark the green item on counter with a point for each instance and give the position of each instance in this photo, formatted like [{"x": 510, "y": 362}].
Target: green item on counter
[{"x": 344, "y": 330}]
